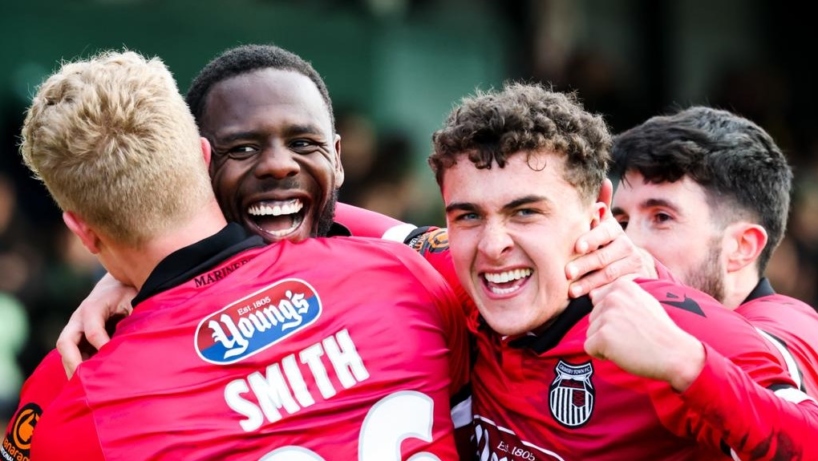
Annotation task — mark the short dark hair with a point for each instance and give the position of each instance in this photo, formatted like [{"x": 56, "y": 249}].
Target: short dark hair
[
  {"x": 742, "y": 171},
  {"x": 243, "y": 60},
  {"x": 491, "y": 126}
]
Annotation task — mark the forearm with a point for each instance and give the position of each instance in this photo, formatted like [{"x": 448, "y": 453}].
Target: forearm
[{"x": 756, "y": 423}]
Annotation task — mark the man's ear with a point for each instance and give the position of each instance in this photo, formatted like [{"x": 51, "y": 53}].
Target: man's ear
[
  {"x": 80, "y": 228},
  {"x": 606, "y": 193},
  {"x": 339, "y": 167},
  {"x": 602, "y": 205},
  {"x": 744, "y": 243},
  {"x": 206, "y": 151}
]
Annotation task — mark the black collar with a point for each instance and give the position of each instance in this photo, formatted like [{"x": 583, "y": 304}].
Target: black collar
[
  {"x": 185, "y": 263},
  {"x": 338, "y": 230},
  {"x": 553, "y": 334},
  {"x": 762, "y": 289}
]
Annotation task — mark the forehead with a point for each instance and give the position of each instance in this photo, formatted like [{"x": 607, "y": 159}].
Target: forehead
[
  {"x": 540, "y": 174},
  {"x": 262, "y": 98},
  {"x": 685, "y": 194}
]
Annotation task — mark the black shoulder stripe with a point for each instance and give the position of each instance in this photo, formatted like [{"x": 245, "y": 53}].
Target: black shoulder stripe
[{"x": 687, "y": 304}]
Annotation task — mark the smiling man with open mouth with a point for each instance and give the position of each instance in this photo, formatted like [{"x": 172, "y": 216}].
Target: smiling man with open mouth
[{"x": 274, "y": 149}]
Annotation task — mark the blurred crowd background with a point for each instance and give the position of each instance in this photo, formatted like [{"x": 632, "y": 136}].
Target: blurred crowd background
[{"x": 394, "y": 68}]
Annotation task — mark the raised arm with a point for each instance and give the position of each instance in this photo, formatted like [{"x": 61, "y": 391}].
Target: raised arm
[
  {"x": 732, "y": 384},
  {"x": 86, "y": 330}
]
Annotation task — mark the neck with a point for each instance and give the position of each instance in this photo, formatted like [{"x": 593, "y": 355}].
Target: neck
[
  {"x": 738, "y": 285},
  {"x": 135, "y": 264},
  {"x": 554, "y": 316}
]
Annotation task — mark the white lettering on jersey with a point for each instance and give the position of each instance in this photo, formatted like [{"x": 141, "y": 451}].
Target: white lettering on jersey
[
  {"x": 397, "y": 417},
  {"x": 345, "y": 359},
  {"x": 286, "y": 315},
  {"x": 281, "y": 386}
]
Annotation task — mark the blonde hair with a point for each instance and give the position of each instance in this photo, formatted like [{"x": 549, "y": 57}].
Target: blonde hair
[{"x": 115, "y": 143}]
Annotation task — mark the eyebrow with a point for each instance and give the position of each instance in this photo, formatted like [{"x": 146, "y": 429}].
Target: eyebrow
[
  {"x": 649, "y": 203},
  {"x": 290, "y": 130},
  {"x": 227, "y": 139},
  {"x": 465, "y": 206},
  {"x": 460, "y": 206},
  {"x": 525, "y": 201}
]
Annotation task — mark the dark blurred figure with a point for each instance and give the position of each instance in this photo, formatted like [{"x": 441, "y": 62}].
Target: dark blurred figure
[
  {"x": 759, "y": 93},
  {"x": 379, "y": 173},
  {"x": 69, "y": 274},
  {"x": 15, "y": 273},
  {"x": 602, "y": 86},
  {"x": 43, "y": 273},
  {"x": 358, "y": 152},
  {"x": 801, "y": 270},
  {"x": 390, "y": 186}
]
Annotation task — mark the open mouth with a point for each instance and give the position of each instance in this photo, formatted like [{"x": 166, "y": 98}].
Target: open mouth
[
  {"x": 503, "y": 283},
  {"x": 277, "y": 218}
]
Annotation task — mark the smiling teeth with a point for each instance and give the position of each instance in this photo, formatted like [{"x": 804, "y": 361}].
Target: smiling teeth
[
  {"x": 287, "y": 208},
  {"x": 508, "y": 276}
]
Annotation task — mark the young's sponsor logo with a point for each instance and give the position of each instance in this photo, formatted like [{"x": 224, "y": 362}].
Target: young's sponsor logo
[{"x": 256, "y": 322}]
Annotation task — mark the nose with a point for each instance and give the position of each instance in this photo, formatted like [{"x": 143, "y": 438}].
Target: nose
[
  {"x": 495, "y": 241},
  {"x": 278, "y": 161}
]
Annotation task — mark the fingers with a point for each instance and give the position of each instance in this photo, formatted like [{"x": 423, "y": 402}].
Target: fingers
[
  {"x": 648, "y": 264},
  {"x": 592, "y": 347},
  {"x": 606, "y": 232},
  {"x": 67, "y": 347},
  {"x": 96, "y": 335},
  {"x": 609, "y": 273},
  {"x": 609, "y": 243},
  {"x": 599, "y": 293},
  {"x": 595, "y": 341}
]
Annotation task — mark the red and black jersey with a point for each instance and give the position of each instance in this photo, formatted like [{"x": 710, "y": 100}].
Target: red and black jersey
[
  {"x": 792, "y": 325},
  {"x": 272, "y": 353},
  {"x": 543, "y": 398},
  {"x": 523, "y": 393}
]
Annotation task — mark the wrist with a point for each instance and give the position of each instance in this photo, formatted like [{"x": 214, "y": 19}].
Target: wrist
[{"x": 688, "y": 364}]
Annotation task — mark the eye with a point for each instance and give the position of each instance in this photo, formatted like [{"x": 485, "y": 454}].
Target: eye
[
  {"x": 239, "y": 152},
  {"x": 526, "y": 212},
  {"x": 466, "y": 217},
  {"x": 661, "y": 218},
  {"x": 305, "y": 146},
  {"x": 623, "y": 222}
]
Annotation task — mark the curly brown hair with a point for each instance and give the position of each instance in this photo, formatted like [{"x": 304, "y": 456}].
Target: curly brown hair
[{"x": 489, "y": 127}]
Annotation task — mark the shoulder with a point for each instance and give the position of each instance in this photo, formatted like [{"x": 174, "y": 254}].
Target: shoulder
[
  {"x": 701, "y": 315},
  {"x": 46, "y": 382},
  {"x": 37, "y": 394},
  {"x": 775, "y": 304},
  {"x": 372, "y": 248}
]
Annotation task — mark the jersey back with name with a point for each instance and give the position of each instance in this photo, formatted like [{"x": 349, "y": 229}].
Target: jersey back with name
[{"x": 322, "y": 350}]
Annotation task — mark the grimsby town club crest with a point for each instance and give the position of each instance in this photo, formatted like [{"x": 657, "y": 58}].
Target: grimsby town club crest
[{"x": 571, "y": 396}]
